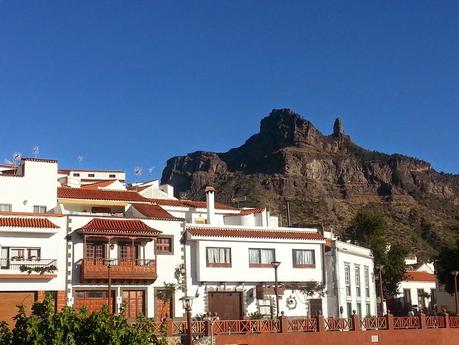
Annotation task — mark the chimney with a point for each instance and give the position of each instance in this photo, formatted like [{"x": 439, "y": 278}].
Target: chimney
[{"x": 210, "y": 199}]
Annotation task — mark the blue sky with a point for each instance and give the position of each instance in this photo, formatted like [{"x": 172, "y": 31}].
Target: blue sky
[{"x": 133, "y": 83}]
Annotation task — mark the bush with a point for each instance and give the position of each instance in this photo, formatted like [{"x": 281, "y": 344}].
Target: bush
[{"x": 45, "y": 327}]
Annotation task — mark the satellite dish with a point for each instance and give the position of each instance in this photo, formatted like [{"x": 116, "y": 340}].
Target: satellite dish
[{"x": 17, "y": 156}]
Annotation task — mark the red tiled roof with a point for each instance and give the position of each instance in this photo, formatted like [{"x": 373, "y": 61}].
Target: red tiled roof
[
  {"x": 99, "y": 194},
  {"x": 155, "y": 212},
  {"x": 97, "y": 185},
  {"x": 27, "y": 223},
  {"x": 118, "y": 226},
  {"x": 253, "y": 233},
  {"x": 246, "y": 212},
  {"x": 190, "y": 203},
  {"x": 419, "y": 276},
  {"x": 6, "y": 213}
]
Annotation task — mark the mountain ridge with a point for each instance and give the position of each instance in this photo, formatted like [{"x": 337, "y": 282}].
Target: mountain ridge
[{"x": 326, "y": 179}]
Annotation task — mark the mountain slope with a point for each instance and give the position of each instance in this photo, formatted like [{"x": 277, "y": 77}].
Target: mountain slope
[{"x": 325, "y": 179}]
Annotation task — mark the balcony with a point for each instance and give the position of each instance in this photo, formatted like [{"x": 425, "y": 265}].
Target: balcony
[
  {"x": 20, "y": 268},
  {"x": 120, "y": 270}
]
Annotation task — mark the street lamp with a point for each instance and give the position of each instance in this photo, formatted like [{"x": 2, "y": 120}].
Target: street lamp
[
  {"x": 187, "y": 302},
  {"x": 276, "y": 264},
  {"x": 381, "y": 290},
  {"x": 109, "y": 264},
  {"x": 454, "y": 274}
]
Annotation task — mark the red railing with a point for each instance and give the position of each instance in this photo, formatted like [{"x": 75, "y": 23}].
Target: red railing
[
  {"x": 335, "y": 324},
  {"x": 302, "y": 325},
  {"x": 245, "y": 326},
  {"x": 435, "y": 322},
  {"x": 454, "y": 321},
  {"x": 374, "y": 322},
  {"x": 406, "y": 322}
]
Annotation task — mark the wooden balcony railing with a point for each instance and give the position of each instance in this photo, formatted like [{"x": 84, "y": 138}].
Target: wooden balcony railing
[{"x": 98, "y": 269}]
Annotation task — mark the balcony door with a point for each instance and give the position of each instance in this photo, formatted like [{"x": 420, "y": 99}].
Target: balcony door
[
  {"x": 95, "y": 251},
  {"x": 134, "y": 302},
  {"x": 128, "y": 253}
]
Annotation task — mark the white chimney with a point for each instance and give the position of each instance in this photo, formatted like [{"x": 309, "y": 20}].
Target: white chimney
[{"x": 210, "y": 199}]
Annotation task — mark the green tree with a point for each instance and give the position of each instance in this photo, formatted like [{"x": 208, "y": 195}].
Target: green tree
[
  {"x": 370, "y": 229},
  {"x": 46, "y": 327},
  {"x": 446, "y": 262}
]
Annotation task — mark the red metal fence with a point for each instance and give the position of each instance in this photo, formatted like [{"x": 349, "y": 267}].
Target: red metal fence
[{"x": 284, "y": 324}]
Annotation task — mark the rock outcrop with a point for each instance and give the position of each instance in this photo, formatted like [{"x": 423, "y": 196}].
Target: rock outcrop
[{"x": 326, "y": 179}]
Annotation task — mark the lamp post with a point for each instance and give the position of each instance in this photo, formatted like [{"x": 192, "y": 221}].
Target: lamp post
[
  {"x": 454, "y": 274},
  {"x": 187, "y": 302},
  {"x": 381, "y": 290},
  {"x": 109, "y": 264},
  {"x": 276, "y": 264}
]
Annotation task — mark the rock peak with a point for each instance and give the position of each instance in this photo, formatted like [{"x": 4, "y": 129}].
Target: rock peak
[{"x": 338, "y": 129}]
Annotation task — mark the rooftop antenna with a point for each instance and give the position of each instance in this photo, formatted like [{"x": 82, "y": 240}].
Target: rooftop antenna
[
  {"x": 138, "y": 171},
  {"x": 36, "y": 151},
  {"x": 238, "y": 200},
  {"x": 80, "y": 159},
  {"x": 150, "y": 170}
]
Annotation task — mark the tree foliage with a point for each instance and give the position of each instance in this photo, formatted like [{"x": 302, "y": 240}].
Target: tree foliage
[
  {"x": 370, "y": 229},
  {"x": 446, "y": 262},
  {"x": 46, "y": 327}
]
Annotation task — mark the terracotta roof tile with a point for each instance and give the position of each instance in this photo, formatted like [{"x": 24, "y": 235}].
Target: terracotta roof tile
[
  {"x": 190, "y": 203},
  {"x": 254, "y": 233},
  {"x": 32, "y": 159},
  {"x": 245, "y": 212},
  {"x": 155, "y": 212},
  {"x": 99, "y": 194},
  {"x": 118, "y": 226},
  {"x": 14, "y": 222},
  {"x": 419, "y": 276},
  {"x": 97, "y": 185}
]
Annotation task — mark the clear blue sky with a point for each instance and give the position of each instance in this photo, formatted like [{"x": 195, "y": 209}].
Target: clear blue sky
[{"x": 133, "y": 83}]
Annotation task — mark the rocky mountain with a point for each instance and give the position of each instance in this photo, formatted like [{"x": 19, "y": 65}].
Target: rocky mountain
[{"x": 325, "y": 179}]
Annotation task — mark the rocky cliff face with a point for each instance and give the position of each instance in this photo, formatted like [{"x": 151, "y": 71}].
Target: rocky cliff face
[{"x": 325, "y": 179}]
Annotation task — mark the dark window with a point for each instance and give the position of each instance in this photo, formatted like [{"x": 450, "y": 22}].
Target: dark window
[
  {"x": 76, "y": 174},
  {"x": 95, "y": 250},
  {"x": 90, "y": 175},
  {"x": 218, "y": 257},
  {"x": 303, "y": 258},
  {"x": 101, "y": 209},
  {"x": 164, "y": 245},
  {"x": 112, "y": 176},
  {"x": 259, "y": 257},
  {"x": 407, "y": 296}
]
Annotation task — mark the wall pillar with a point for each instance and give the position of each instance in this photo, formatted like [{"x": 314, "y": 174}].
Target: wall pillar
[
  {"x": 390, "y": 321},
  {"x": 283, "y": 322},
  {"x": 422, "y": 321},
  {"x": 356, "y": 323},
  {"x": 320, "y": 323}
]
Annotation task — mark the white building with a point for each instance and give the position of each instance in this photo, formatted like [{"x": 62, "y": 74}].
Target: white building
[
  {"x": 350, "y": 279},
  {"x": 32, "y": 236}
]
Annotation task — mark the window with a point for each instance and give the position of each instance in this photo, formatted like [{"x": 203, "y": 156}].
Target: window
[
  {"x": 366, "y": 273},
  {"x": 421, "y": 297},
  {"x": 128, "y": 252},
  {"x": 5, "y": 207},
  {"x": 18, "y": 254},
  {"x": 164, "y": 245},
  {"x": 261, "y": 257},
  {"x": 98, "y": 209},
  {"x": 433, "y": 296},
  {"x": 90, "y": 175},
  {"x": 218, "y": 257},
  {"x": 407, "y": 296},
  {"x": 357, "y": 280},
  {"x": 39, "y": 209},
  {"x": 349, "y": 309},
  {"x": 4, "y": 257},
  {"x": 95, "y": 250},
  {"x": 347, "y": 279},
  {"x": 112, "y": 176},
  {"x": 76, "y": 174},
  {"x": 368, "y": 309},
  {"x": 359, "y": 309},
  {"x": 303, "y": 258}
]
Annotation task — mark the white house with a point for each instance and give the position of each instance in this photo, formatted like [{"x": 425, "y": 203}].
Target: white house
[
  {"x": 350, "y": 278},
  {"x": 32, "y": 236}
]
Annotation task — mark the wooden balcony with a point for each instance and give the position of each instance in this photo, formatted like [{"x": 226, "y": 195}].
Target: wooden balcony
[{"x": 120, "y": 270}]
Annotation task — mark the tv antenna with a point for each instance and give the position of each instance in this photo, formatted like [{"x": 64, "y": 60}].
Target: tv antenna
[
  {"x": 36, "y": 151},
  {"x": 238, "y": 200},
  {"x": 17, "y": 156},
  {"x": 138, "y": 171}
]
